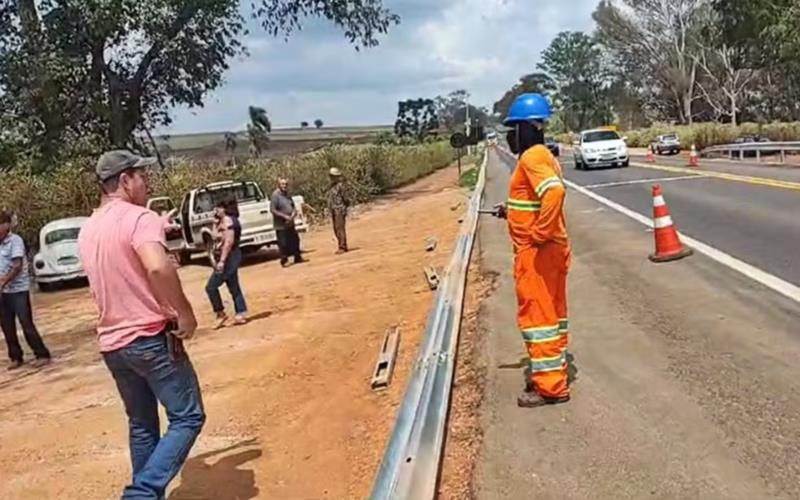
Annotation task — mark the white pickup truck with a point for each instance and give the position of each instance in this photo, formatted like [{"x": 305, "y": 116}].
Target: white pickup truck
[{"x": 196, "y": 216}]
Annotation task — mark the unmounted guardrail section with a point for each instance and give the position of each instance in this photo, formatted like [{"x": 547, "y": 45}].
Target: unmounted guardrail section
[{"x": 410, "y": 465}]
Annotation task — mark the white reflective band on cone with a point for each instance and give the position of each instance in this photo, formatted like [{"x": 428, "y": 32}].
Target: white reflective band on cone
[
  {"x": 658, "y": 201},
  {"x": 662, "y": 222}
]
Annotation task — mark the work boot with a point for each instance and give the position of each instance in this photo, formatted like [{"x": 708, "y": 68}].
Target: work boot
[
  {"x": 40, "y": 362},
  {"x": 14, "y": 365},
  {"x": 534, "y": 400}
]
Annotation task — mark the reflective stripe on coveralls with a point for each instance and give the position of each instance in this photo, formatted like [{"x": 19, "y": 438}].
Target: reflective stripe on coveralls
[
  {"x": 523, "y": 205},
  {"x": 542, "y": 252}
]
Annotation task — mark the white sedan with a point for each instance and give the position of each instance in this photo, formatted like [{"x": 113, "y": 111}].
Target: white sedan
[
  {"x": 57, "y": 260},
  {"x": 600, "y": 148}
]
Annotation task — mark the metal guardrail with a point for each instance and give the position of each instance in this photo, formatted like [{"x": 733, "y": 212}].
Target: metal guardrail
[
  {"x": 757, "y": 147},
  {"x": 410, "y": 466}
]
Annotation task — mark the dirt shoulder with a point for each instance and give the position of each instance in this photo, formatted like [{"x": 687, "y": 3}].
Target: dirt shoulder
[{"x": 290, "y": 411}]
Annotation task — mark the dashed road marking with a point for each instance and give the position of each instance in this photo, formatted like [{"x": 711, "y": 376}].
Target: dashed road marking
[
  {"x": 761, "y": 181},
  {"x": 645, "y": 181}
]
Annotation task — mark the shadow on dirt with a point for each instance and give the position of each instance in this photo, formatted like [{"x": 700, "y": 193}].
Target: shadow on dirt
[{"x": 222, "y": 480}]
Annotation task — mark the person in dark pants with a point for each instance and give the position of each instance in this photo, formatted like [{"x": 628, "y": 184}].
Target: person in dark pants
[
  {"x": 228, "y": 258},
  {"x": 338, "y": 203},
  {"x": 15, "y": 299},
  {"x": 283, "y": 214}
]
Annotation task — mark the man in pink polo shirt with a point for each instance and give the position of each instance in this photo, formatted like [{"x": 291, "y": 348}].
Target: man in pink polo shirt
[{"x": 143, "y": 317}]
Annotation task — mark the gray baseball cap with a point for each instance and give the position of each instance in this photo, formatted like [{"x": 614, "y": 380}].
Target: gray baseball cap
[{"x": 115, "y": 162}]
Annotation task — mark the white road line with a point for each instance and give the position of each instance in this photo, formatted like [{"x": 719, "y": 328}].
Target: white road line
[
  {"x": 645, "y": 181},
  {"x": 773, "y": 282}
]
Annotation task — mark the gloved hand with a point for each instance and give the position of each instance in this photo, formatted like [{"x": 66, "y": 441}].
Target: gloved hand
[{"x": 501, "y": 212}]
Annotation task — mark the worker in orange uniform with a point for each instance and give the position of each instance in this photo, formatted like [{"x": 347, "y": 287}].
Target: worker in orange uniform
[{"x": 536, "y": 224}]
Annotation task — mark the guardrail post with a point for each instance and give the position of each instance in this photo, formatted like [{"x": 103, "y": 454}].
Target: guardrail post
[
  {"x": 758, "y": 155},
  {"x": 730, "y": 154},
  {"x": 741, "y": 154},
  {"x": 783, "y": 156}
]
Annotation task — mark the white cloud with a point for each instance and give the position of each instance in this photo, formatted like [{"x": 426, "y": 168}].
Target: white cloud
[{"x": 483, "y": 46}]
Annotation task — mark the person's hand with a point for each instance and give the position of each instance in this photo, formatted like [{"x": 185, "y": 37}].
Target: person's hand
[
  {"x": 219, "y": 266},
  {"x": 501, "y": 211},
  {"x": 187, "y": 325}
]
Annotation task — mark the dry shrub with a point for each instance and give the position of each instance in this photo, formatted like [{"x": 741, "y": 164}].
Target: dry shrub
[{"x": 370, "y": 170}]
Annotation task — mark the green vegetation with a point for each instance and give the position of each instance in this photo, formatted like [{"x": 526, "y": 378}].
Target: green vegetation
[
  {"x": 79, "y": 76},
  {"x": 703, "y": 135},
  {"x": 678, "y": 62},
  {"x": 369, "y": 170},
  {"x": 469, "y": 178}
]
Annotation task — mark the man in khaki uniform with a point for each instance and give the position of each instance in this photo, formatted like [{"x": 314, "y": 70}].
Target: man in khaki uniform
[{"x": 338, "y": 203}]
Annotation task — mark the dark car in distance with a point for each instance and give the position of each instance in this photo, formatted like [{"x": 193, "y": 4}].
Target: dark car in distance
[{"x": 552, "y": 145}]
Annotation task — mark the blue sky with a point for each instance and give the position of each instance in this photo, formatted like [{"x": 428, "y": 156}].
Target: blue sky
[{"x": 483, "y": 46}]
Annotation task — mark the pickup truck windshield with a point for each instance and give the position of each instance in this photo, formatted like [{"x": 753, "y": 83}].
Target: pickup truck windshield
[
  {"x": 670, "y": 137},
  {"x": 603, "y": 135},
  {"x": 206, "y": 199}
]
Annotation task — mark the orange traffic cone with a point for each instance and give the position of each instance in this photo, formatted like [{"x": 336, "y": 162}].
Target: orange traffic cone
[
  {"x": 694, "y": 158},
  {"x": 668, "y": 245},
  {"x": 651, "y": 157}
]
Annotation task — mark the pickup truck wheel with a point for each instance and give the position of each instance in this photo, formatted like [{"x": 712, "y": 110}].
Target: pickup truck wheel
[{"x": 45, "y": 287}]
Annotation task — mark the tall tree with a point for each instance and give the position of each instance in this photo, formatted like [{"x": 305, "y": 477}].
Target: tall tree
[
  {"x": 574, "y": 62},
  {"x": 654, "y": 43},
  {"x": 765, "y": 37},
  {"x": 452, "y": 110},
  {"x": 416, "y": 118},
  {"x": 121, "y": 66},
  {"x": 533, "y": 82},
  {"x": 258, "y": 130}
]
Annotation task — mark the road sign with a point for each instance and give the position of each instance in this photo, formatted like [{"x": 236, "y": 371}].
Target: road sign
[{"x": 458, "y": 140}]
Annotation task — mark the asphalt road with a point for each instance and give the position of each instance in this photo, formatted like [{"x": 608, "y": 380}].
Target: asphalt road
[
  {"x": 742, "y": 214},
  {"x": 687, "y": 372},
  {"x": 746, "y": 167}
]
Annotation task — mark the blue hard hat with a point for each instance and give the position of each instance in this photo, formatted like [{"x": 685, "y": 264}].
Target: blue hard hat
[{"x": 528, "y": 107}]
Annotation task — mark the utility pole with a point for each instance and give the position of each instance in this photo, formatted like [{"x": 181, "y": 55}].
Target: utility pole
[{"x": 468, "y": 125}]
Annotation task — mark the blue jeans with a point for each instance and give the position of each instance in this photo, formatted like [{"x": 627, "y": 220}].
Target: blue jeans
[
  {"x": 146, "y": 375},
  {"x": 230, "y": 277}
]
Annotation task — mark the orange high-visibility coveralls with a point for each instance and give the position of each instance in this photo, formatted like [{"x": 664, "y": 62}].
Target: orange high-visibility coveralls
[{"x": 541, "y": 259}]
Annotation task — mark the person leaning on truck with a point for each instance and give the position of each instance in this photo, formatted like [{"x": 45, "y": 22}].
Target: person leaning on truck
[
  {"x": 143, "y": 314},
  {"x": 283, "y": 214}
]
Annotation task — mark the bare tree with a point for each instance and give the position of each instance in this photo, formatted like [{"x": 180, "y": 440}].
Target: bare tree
[
  {"x": 654, "y": 41},
  {"x": 725, "y": 81}
]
